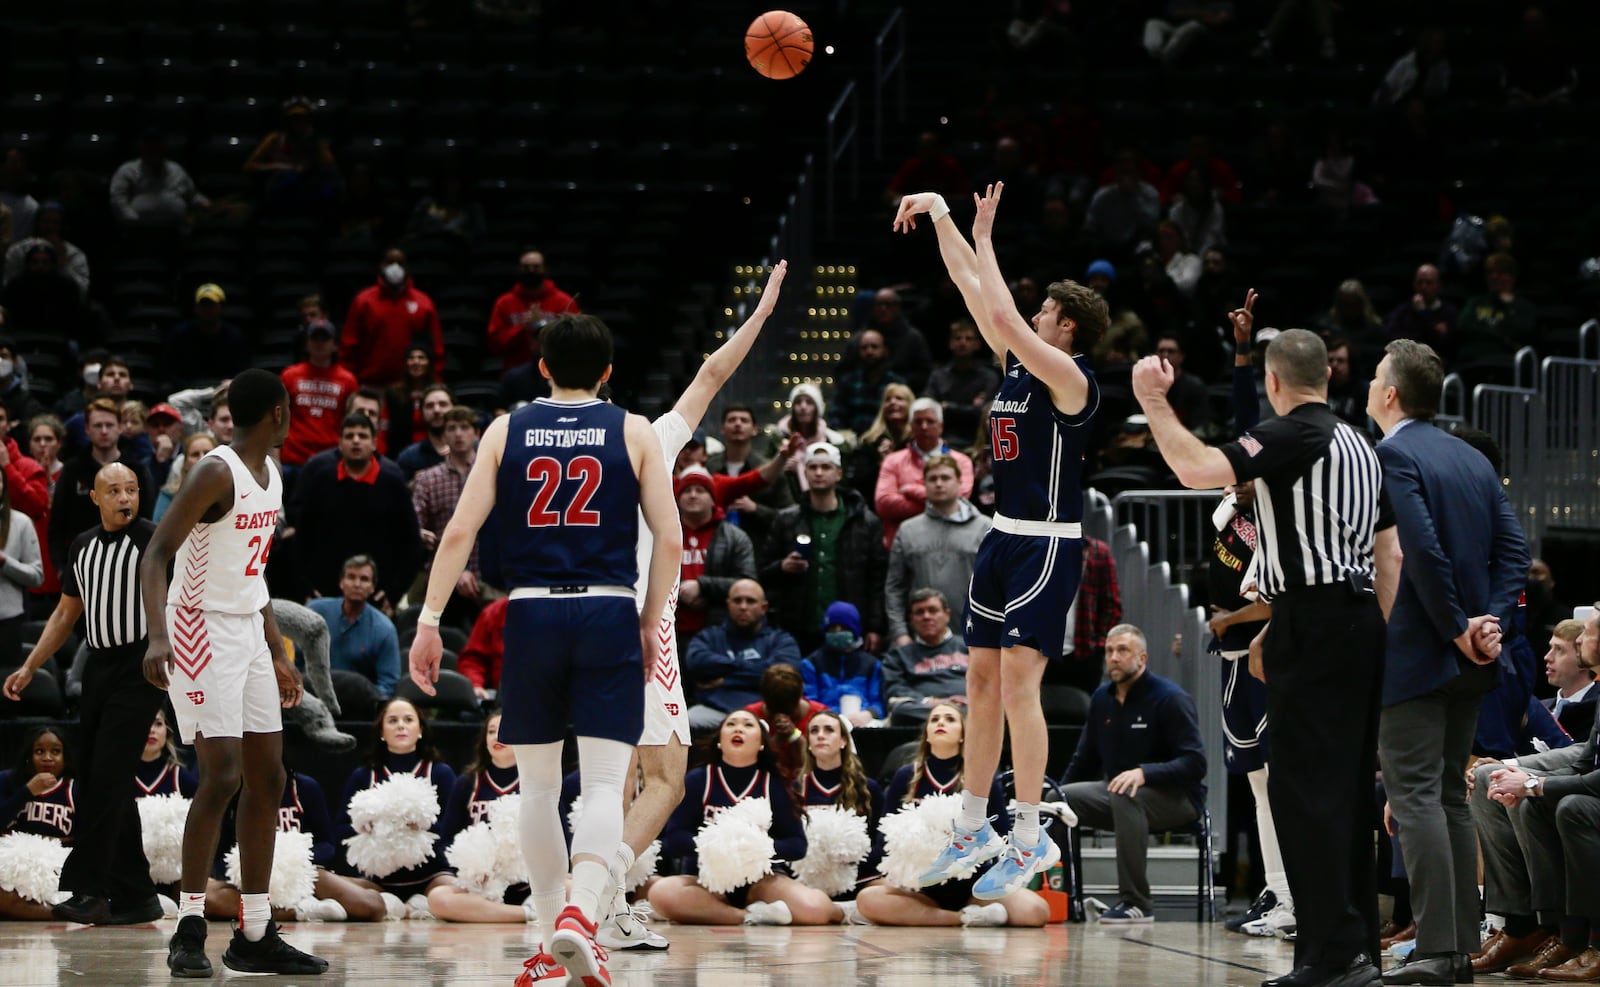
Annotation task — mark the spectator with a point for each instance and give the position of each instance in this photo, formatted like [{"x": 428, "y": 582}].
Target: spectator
[
  {"x": 715, "y": 554},
  {"x": 965, "y": 384},
  {"x": 725, "y": 661},
  {"x": 827, "y": 547},
  {"x": 114, "y": 383},
  {"x": 856, "y": 392},
  {"x": 1125, "y": 211},
  {"x": 360, "y": 638},
  {"x": 21, "y": 564},
  {"x": 520, "y": 313},
  {"x": 1139, "y": 766},
  {"x": 219, "y": 420},
  {"x": 27, "y": 485},
  {"x": 934, "y": 549},
  {"x": 1538, "y": 68},
  {"x": 45, "y": 433},
  {"x": 841, "y": 667},
  {"x": 1096, "y": 609},
  {"x": 1172, "y": 248},
  {"x": 755, "y": 512},
  {"x": 192, "y": 451},
  {"x": 370, "y": 402},
  {"x": 42, "y": 297},
  {"x": 72, "y": 511},
  {"x": 1215, "y": 295},
  {"x": 446, "y": 211},
  {"x": 485, "y": 652},
  {"x": 900, "y": 491},
  {"x": 1347, "y": 392},
  {"x": 1011, "y": 165},
  {"x": 1200, "y": 159},
  {"x": 784, "y": 707},
  {"x": 1499, "y": 322},
  {"x": 908, "y": 347},
  {"x": 890, "y": 432},
  {"x": 205, "y": 348},
  {"x": 805, "y": 418},
  {"x": 1427, "y": 317},
  {"x": 152, "y": 192},
  {"x": 435, "y": 491},
  {"x": 355, "y": 503},
  {"x": 299, "y": 171},
  {"x": 135, "y": 432},
  {"x": 1132, "y": 445},
  {"x": 429, "y": 450},
  {"x": 163, "y": 426},
  {"x": 14, "y": 181},
  {"x": 18, "y": 400},
  {"x": 1545, "y": 610},
  {"x": 49, "y": 228},
  {"x": 930, "y": 169},
  {"x": 318, "y": 390},
  {"x": 1423, "y": 72},
  {"x": 1334, "y": 176},
  {"x": 1189, "y": 395},
  {"x": 1352, "y": 316},
  {"x": 1185, "y": 23},
  {"x": 931, "y": 668},
  {"x": 385, "y": 320},
  {"x": 1573, "y": 705},
  {"x": 402, "y": 401}
]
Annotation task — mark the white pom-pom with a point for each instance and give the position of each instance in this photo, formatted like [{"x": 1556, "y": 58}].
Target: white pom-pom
[
  {"x": 836, "y": 843},
  {"x": 644, "y": 866},
  {"x": 294, "y": 876},
  {"x": 504, "y": 816},
  {"x": 735, "y": 848},
  {"x": 391, "y": 820},
  {"x": 161, "y": 822},
  {"x": 575, "y": 814},
  {"x": 473, "y": 855},
  {"x": 31, "y": 866},
  {"x": 914, "y": 836}
]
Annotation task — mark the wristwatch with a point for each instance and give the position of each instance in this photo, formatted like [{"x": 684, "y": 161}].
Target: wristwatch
[{"x": 1533, "y": 786}]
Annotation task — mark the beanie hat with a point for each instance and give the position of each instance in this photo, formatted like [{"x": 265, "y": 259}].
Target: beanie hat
[
  {"x": 845, "y": 615},
  {"x": 694, "y": 476},
  {"x": 811, "y": 391}
]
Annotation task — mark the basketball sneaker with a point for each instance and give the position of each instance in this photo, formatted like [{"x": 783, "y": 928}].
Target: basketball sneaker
[
  {"x": 623, "y": 929},
  {"x": 1016, "y": 867},
  {"x": 541, "y": 969},
  {"x": 1275, "y": 923},
  {"x": 1264, "y": 903},
  {"x": 1126, "y": 913},
  {"x": 186, "y": 951},
  {"x": 269, "y": 954},
  {"x": 767, "y": 913},
  {"x": 966, "y": 852},
  {"x": 573, "y": 947}
]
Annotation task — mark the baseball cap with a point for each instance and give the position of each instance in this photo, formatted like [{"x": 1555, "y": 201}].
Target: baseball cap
[
  {"x": 319, "y": 327},
  {"x": 698, "y": 438},
  {"x": 163, "y": 410},
  {"x": 825, "y": 451},
  {"x": 1267, "y": 335},
  {"x": 1136, "y": 423},
  {"x": 210, "y": 293}
]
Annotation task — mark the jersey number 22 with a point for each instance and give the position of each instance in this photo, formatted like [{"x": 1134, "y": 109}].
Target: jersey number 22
[{"x": 546, "y": 472}]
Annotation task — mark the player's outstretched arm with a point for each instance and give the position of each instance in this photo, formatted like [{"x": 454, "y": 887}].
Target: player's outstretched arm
[
  {"x": 209, "y": 484},
  {"x": 1069, "y": 388},
  {"x": 959, "y": 259},
  {"x": 455, "y": 547},
  {"x": 661, "y": 517},
  {"x": 719, "y": 366}
]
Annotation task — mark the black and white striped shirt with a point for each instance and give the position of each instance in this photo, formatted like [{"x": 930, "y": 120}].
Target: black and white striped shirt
[
  {"x": 103, "y": 569},
  {"x": 1319, "y": 499}
]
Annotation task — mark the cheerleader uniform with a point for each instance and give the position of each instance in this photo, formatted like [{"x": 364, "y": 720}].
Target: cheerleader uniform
[
  {"x": 411, "y": 880},
  {"x": 50, "y": 813},
  {"x": 301, "y": 809},
  {"x": 470, "y": 802},
  {"x": 822, "y": 787},
  {"x": 715, "y": 788},
  {"x": 941, "y": 776},
  {"x": 162, "y": 777}
]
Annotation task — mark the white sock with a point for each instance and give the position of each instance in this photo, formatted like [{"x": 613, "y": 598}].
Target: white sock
[
  {"x": 255, "y": 911},
  {"x": 1025, "y": 825},
  {"x": 1271, "y": 855},
  {"x": 591, "y": 883},
  {"x": 974, "y": 810},
  {"x": 621, "y": 864},
  {"x": 191, "y": 904},
  {"x": 539, "y": 825}
]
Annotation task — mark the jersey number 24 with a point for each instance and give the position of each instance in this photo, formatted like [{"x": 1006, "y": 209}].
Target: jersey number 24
[{"x": 547, "y": 473}]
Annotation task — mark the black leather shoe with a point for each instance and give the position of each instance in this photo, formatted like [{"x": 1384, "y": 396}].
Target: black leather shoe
[
  {"x": 84, "y": 909},
  {"x": 1463, "y": 966},
  {"x": 1300, "y": 976},
  {"x": 145, "y": 911},
  {"x": 1434, "y": 971},
  {"x": 1361, "y": 972}
]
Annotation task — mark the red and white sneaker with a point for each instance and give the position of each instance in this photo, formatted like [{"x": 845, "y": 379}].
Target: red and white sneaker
[
  {"x": 574, "y": 948},
  {"x": 542, "y": 969}
]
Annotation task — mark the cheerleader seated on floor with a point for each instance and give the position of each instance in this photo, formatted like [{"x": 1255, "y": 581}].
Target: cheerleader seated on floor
[
  {"x": 37, "y": 805},
  {"x": 842, "y": 856},
  {"x": 936, "y": 770},
  {"x": 161, "y": 769},
  {"x": 733, "y": 882},
  {"x": 491, "y": 776}
]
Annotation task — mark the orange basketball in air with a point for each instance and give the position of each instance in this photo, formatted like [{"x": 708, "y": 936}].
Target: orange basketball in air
[{"x": 778, "y": 44}]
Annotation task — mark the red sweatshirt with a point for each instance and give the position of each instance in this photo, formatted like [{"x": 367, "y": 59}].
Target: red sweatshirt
[
  {"x": 380, "y": 328},
  {"x": 480, "y": 660},
  {"x": 316, "y": 400},
  {"x": 29, "y": 489},
  {"x": 508, "y": 334}
]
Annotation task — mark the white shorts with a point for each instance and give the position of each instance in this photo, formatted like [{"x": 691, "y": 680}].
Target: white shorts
[
  {"x": 665, "y": 712},
  {"x": 222, "y": 685}
]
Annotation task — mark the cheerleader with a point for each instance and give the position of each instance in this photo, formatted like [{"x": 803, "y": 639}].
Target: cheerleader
[
  {"x": 834, "y": 776},
  {"x": 38, "y": 797},
  {"x": 402, "y": 745},
  {"x": 161, "y": 770},
  {"x": 740, "y": 768},
  {"x": 936, "y": 770},
  {"x": 492, "y": 773}
]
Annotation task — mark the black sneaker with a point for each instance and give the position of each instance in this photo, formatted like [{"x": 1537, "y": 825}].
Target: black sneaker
[
  {"x": 186, "y": 951},
  {"x": 84, "y": 909},
  {"x": 269, "y": 955},
  {"x": 148, "y": 910},
  {"x": 1264, "y": 903}
]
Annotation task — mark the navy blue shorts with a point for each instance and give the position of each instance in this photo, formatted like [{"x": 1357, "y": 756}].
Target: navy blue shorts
[
  {"x": 1244, "y": 717},
  {"x": 1022, "y": 587},
  {"x": 572, "y": 660}
]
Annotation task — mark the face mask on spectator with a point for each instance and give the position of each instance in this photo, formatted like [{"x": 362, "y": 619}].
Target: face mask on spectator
[
  {"x": 841, "y": 640},
  {"x": 6, "y": 366},
  {"x": 395, "y": 275},
  {"x": 91, "y": 373}
]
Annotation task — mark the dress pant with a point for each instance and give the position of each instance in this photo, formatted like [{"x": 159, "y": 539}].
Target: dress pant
[
  {"x": 1423, "y": 747},
  {"x": 1324, "y": 663},
  {"x": 1521, "y": 876},
  {"x": 1132, "y": 820},
  {"x": 118, "y": 706}
]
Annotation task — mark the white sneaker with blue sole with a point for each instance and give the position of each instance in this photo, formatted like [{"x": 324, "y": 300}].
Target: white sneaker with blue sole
[
  {"x": 1016, "y": 867},
  {"x": 964, "y": 854}
]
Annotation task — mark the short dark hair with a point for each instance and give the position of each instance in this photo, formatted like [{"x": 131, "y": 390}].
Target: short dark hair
[
  {"x": 1341, "y": 343},
  {"x": 370, "y": 393},
  {"x": 577, "y": 350},
  {"x": 1483, "y": 442},
  {"x": 729, "y": 409},
  {"x": 782, "y": 688},
  {"x": 927, "y": 593},
  {"x": 461, "y": 413},
  {"x": 1417, "y": 375},
  {"x": 1299, "y": 358},
  {"x": 360, "y": 562},
  {"x": 1088, "y": 311},
  {"x": 112, "y": 360},
  {"x": 439, "y": 386},
  {"x": 356, "y": 419},
  {"x": 253, "y": 394},
  {"x": 218, "y": 402}
]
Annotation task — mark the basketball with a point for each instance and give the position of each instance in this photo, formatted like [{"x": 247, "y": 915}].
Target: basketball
[{"x": 778, "y": 44}]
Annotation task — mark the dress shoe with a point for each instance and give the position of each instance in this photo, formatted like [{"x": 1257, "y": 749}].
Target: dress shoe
[
  {"x": 1398, "y": 935},
  {"x": 1504, "y": 950},
  {"x": 1463, "y": 966},
  {"x": 1488, "y": 943},
  {"x": 148, "y": 910},
  {"x": 1300, "y": 976},
  {"x": 1431, "y": 971},
  {"x": 1552, "y": 953},
  {"x": 1581, "y": 969},
  {"x": 84, "y": 909}
]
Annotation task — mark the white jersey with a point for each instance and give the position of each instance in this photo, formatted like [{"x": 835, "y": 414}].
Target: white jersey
[
  {"x": 673, "y": 433},
  {"x": 221, "y": 566}
]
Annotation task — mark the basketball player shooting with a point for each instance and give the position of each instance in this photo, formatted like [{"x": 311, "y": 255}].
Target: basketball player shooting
[
  {"x": 570, "y": 473},
  {"x": 215, "y": 642},
  {"x": 1028, "y": 566}
]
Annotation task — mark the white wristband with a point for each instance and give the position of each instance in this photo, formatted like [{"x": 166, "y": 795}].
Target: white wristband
[
  {"x": 429, "y": 616},
  {"x": 939, "y": 210}
]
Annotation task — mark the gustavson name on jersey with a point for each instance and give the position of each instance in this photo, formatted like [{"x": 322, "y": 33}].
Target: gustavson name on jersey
[{"x": 565, "y": 438}]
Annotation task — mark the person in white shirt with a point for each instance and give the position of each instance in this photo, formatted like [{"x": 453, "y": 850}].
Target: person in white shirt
[{"x": 1573, "y": 705}]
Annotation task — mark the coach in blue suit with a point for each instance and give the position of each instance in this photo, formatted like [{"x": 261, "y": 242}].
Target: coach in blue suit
[{"x": 1465, "y": 563}]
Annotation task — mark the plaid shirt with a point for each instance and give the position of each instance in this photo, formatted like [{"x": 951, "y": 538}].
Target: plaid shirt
[
  {"x": 434, "y": 494},
  {"x": 1099, "y": 602}
]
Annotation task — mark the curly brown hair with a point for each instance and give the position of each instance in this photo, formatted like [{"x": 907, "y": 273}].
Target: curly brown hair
[{"x": 1087, "y": 310}]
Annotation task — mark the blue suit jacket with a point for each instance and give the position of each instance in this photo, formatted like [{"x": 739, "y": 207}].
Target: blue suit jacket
[{"x": 1464, "y": 554}]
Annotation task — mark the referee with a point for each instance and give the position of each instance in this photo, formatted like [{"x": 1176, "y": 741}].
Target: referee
[
  {"x": 106, "y": 871},
  {"x": 1321, "y": 519}
]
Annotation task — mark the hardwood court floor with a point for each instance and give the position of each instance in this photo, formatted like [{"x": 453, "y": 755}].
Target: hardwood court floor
[{"x": 1166, "y": 954}]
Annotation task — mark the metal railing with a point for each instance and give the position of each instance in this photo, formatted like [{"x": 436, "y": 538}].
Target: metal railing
[
  {"x": 1515, "y": 417},
  {"x": 843, "y": 139},
  {"x": 1525, "y": 368},
  {"x": 1589, "y": 330},
  {"x": 1176, "y": 524},
  {"x": 888, "y": 62},
  {"x": 1569, "y": 477}
]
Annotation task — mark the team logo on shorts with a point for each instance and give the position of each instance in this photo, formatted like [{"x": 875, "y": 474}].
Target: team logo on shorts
[
  {"x": 196, "y": 698},
  {"x": 672, "y": 708}
]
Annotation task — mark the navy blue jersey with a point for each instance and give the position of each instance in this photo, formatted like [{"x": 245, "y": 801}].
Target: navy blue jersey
[
  {"x": 942, "y": 776},
  {"x": 50, "y": 813},
  {"x": 567, "y": 499},
  {"x": 1038, "y": 451},
  {"x": 473, "y": 795},
  {"x": 822, "y": 787},
  {"x": 716, "y": 788},
  {"x": 304, "y": 809},
  {"x": 162, "y": 777}
]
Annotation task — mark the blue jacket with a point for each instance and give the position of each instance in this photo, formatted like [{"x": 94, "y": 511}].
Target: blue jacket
[
  {"x": 830, "y": 674},
  {"x": 1155, "y": 728},
  {"x": 738, "y": 658},
  {"x": 1464, "y": 555},
  {"x": 368, "y": 645}
]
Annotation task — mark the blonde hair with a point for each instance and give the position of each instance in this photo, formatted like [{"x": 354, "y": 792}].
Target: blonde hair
[
  {"x": 880, "y": 428},
  {"x": 181, "y": 467}
]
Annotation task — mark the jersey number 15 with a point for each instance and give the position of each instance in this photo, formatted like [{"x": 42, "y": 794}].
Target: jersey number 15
[
  {"x": 546, "y": 472},
  {"x": 1002, "y": 438}
]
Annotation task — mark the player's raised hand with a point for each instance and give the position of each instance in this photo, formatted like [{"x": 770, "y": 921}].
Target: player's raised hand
[
  {"x": 1152, "y": 378},
  {"x": 1244, "y": 321},
  {"x": 987, "y": 203},
  {"x": 427, "y": 650},
  {"x": 769, "y": 294},
  {"x": 911, "y": 206}
]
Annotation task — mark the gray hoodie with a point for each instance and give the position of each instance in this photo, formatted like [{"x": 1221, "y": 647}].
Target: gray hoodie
[{"x": 933, "y": 550}]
